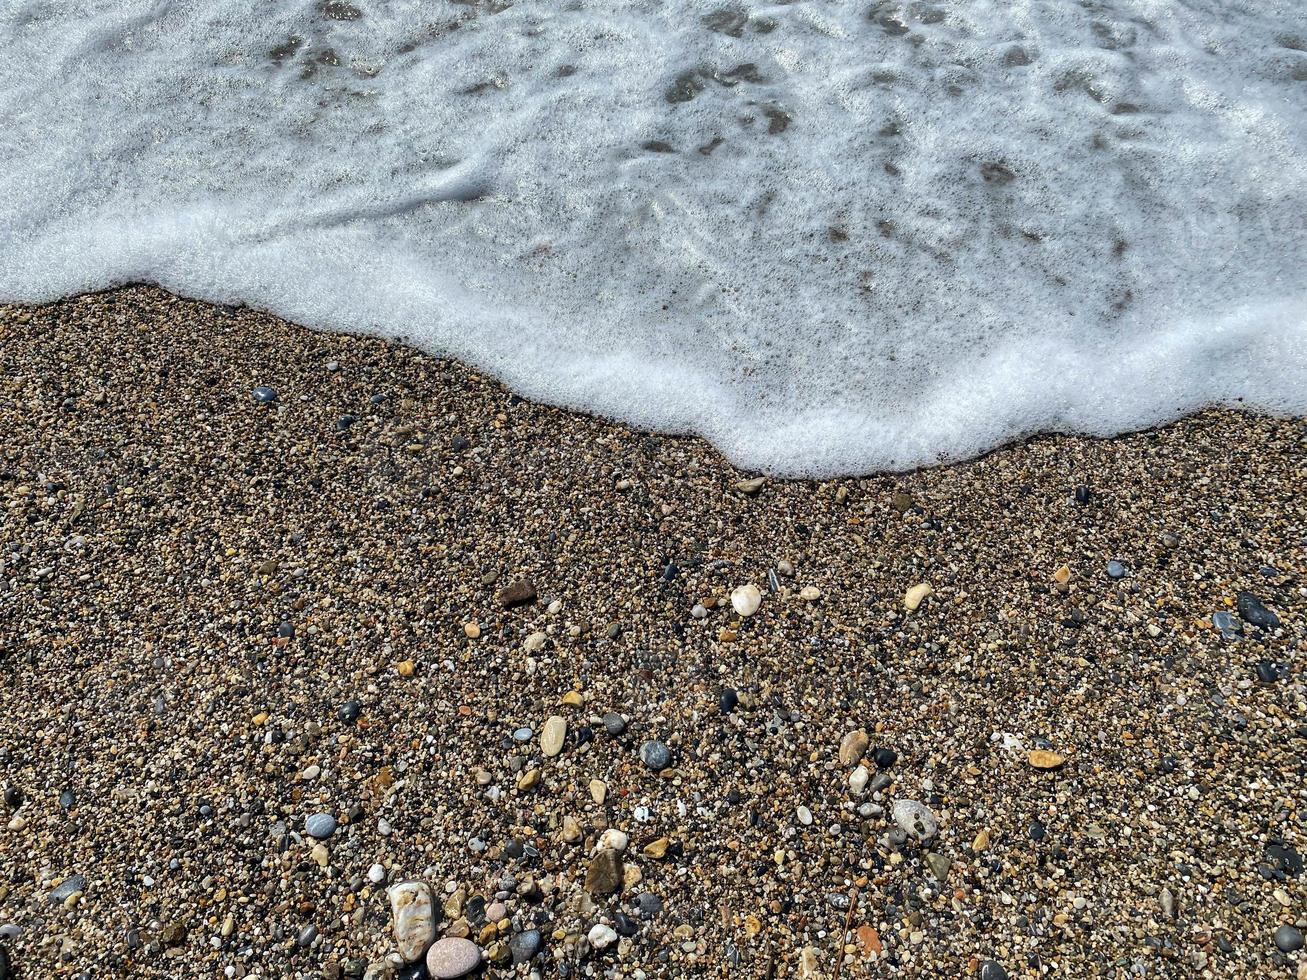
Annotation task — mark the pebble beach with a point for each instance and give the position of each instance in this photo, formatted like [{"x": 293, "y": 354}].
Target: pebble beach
[{"x": 323, "y": 657}]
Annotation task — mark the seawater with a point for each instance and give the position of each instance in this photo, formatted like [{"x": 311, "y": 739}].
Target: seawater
[{"x": 831, "y": 237}]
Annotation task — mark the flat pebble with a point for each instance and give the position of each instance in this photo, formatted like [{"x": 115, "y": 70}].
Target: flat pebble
[
  {"x": 320, "y": 825},
  {"x": 452, "y": 957}
]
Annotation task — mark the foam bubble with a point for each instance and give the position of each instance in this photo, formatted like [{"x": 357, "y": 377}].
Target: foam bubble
[{"x": 829, "y": 237}]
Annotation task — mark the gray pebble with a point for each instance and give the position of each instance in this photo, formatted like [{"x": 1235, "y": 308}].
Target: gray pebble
[
  {"x": 1288, "y": 939},
  {"x": 655, "y": 755},
  {"x": 320, "y": 825},
  {"x": 525, "y": 945},
  {"x": 69, "y": 886}
]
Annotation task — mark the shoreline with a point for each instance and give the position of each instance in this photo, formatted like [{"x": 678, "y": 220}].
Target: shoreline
[{"x": 197, "y": 587}]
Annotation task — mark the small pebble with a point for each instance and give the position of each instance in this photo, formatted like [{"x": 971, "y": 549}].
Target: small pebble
[
  {"x": 655, "y": 755},
  {"x": 320, "y": 825}
]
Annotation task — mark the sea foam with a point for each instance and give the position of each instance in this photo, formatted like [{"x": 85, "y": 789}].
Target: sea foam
[{"x": 828, "y": 236}]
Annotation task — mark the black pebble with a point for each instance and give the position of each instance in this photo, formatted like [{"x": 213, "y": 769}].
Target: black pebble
[
  {"x": 624, "y": 924},
  {"x": 515, "y": 849},
  {"x": 1252, "y": 610},
  {"x": 459, "y": 443},
  {"x": 286, "y": 630},
  {"x": 614, "y": 724},
  {"x": 13, "y": 797},
  {"x": 670, "y": 572},
  {"x": 1284, "y": 858},
  {"x": 67, "y": 799},
  {"x": 349, "y": 711},
  {"x": 1082, "y": 497},
  {"x": 344, "y": 422},
  {"x": 728, "y": 701},
  {"x": 1036, "y": 831},
  {"x": 989, "y": 970},
  {"x": 1267, "y": 672},
  {"x": 885, "y": 758},
  {"x": 413, "y": 971}
]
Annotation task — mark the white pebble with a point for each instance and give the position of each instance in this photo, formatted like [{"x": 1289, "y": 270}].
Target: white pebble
[{"x": 746, "y": 599}]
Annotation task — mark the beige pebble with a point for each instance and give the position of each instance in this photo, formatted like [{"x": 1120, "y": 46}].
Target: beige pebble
[{"x": 915, "y": 595}]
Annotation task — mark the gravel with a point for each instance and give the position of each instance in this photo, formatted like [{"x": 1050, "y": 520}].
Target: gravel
[{"x": 220, "y": 618}]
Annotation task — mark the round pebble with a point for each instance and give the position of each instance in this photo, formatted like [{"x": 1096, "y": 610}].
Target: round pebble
[
  {"x": 1288, "y": 939},
  {"x": 452, "y": 957},
  {"x": 655, "y": 755}
]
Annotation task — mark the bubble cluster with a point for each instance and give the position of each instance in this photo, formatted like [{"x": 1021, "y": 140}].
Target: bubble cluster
[{"x": 830, "y": 237}]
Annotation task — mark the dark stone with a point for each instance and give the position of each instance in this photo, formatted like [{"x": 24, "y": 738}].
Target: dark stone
[
  {"x": 286, "y": 631},
  {"x": 1252, "y": 610},
  {"x": 1267, "y": 672},
  {"x": 475, "y": 910},
  {"x": 1037, "y": 831},
  {"x": 307, "y": 935},
  {"x": 519, "y": 593},
  {"x": 989, "y": 970},
  {"x": 728, "y": 701},
  {"x": 6, "y": 972},
  {"x": 1288, "y": 939},
  {"x": 670, "y": 572},
  {"x": 13, "y": 797},
  {"x": 614, "y": 724},
  {"x": 264, "y": 395},
  {"x": 649, "y": 904},
  {"x": 884, "y": 758},
  {"x": 349, "y": 712},
  {"x": 67, "y": 798},
  {"x": 1224, "y": 945},
  {"x": 624, "y": 924},
  {"x": 1082, "y": 498},
  {"x": 515, "y": 849},
  {"x": 1284, "y": 858},
  {"x": 345, "y": 421},
  {"x": 525, "y": 945},
  {"x": 459, "y": 443}
]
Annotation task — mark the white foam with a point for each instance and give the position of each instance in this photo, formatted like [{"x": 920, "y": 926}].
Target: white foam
[{"x": 830, "y": 237}]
